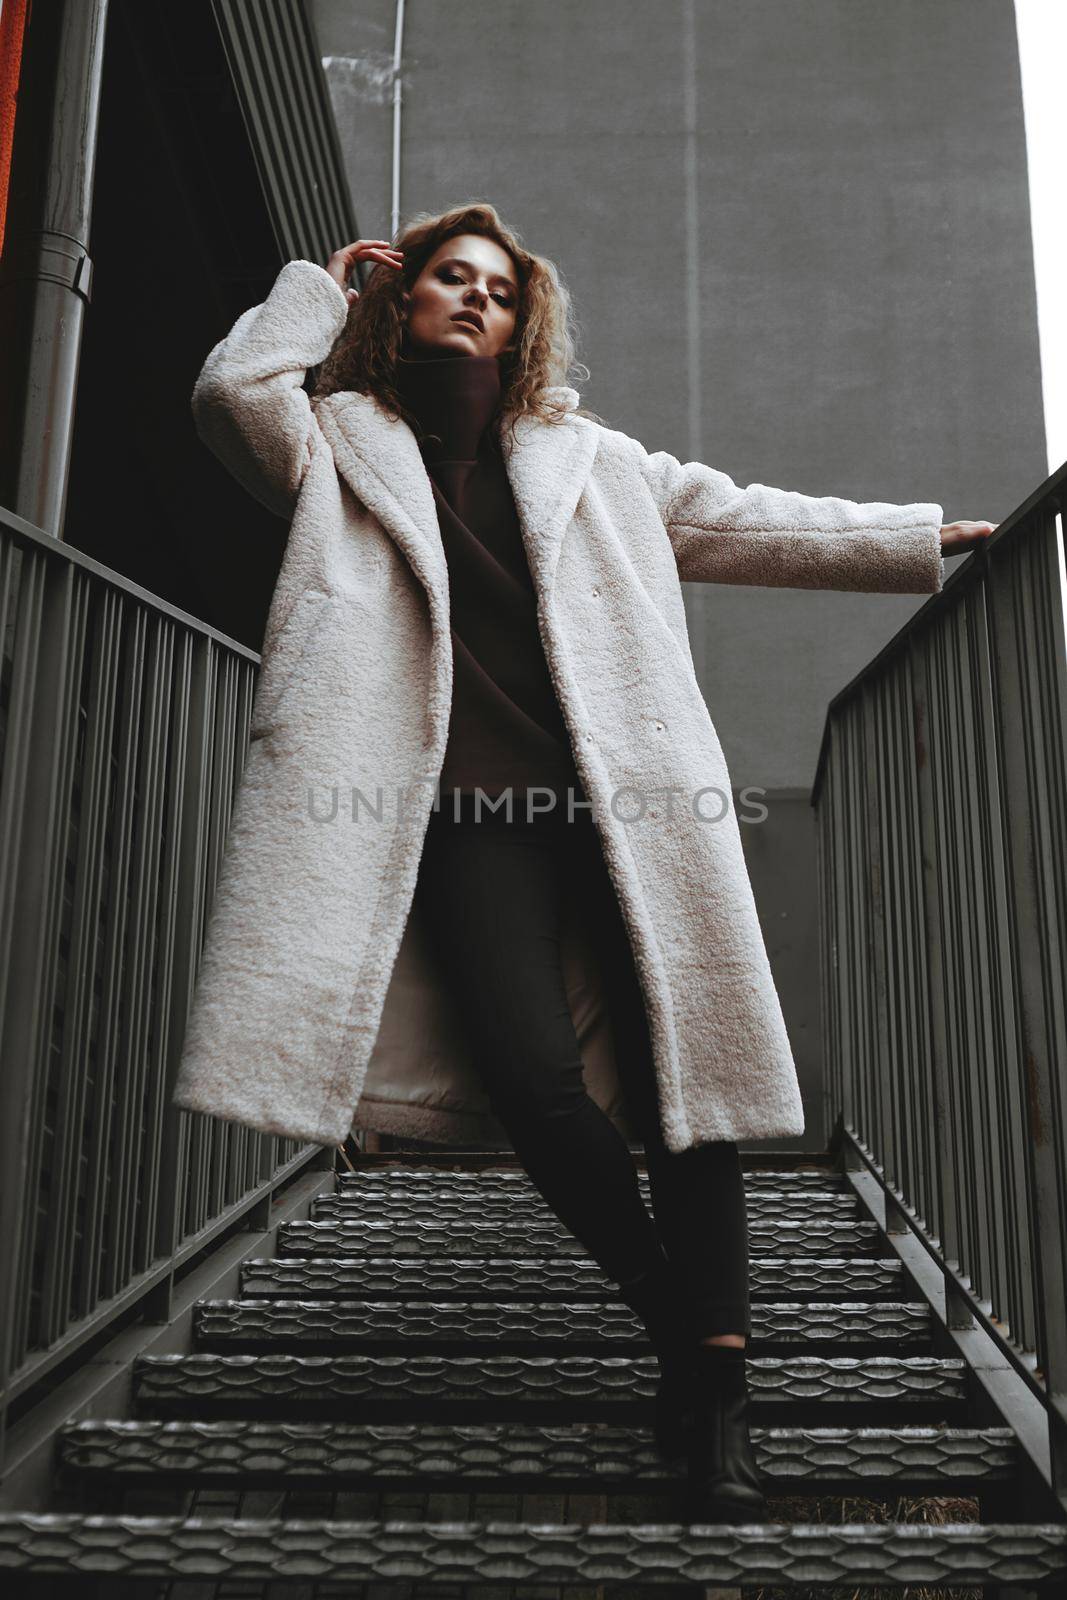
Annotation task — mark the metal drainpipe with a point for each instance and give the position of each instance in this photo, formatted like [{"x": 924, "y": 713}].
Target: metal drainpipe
[
  {"x": 398, "y": 59},
  {"x": 46, "y": 271}
]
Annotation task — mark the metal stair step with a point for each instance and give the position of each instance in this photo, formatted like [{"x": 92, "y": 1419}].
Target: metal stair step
[
  {"x": 575, "y": 1458},
  {"x": 492, "y": 1388},
  {"x": 447, "y": 1206},
  {"x": 802, "y": 1554},
  {"x": 523, "y": 1237},
  {"x": 516, "y": 1178},
  {"x": 517, "y": 1325},
  {"x": 543, "y": 1278}
]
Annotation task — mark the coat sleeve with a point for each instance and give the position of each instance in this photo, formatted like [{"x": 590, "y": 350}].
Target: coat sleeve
[
  {"x": 248, "y": 403},
  {"x": 778, "y": 538}
]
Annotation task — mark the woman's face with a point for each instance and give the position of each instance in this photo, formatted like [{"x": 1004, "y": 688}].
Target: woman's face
[{"x": 467, "y": 276}]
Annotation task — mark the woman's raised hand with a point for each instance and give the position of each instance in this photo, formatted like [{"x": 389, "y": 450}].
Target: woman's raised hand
[
  {"x": 342, "y": 261},
  {"x": 958, "y": 536}
]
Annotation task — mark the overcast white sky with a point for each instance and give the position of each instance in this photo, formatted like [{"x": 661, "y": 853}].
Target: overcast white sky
[{"x": 1042, "y": 30}]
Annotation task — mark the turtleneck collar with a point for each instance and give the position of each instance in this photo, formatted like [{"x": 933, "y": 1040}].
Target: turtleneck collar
[{"x": 454, "y": 397}]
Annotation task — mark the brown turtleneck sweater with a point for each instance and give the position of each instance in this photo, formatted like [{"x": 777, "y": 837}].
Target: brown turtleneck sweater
[{"x": 506, "y": 728}]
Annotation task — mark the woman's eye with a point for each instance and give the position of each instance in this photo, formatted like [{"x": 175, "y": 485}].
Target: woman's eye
[{"x": 454, "y": 277}]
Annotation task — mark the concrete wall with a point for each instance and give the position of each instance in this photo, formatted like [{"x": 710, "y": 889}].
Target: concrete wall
[{"x": 797, "y": 234}]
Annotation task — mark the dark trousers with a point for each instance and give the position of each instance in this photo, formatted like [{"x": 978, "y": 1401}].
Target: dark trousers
[{"x": 493, "y": 895}]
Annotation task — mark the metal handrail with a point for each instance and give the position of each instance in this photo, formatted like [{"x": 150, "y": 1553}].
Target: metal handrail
[
  {"x": 124, "y": 725},
  {"x": 941, "y": 803}
]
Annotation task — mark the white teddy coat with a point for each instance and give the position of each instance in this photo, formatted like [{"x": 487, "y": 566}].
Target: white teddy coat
[{"x": 318, "y": 1006}]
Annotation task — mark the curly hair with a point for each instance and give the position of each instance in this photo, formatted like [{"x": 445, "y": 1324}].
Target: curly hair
[{"x": 543, "y": 353}]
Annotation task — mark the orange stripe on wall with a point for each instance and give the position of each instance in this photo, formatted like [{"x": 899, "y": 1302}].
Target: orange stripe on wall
[{"x": 12, "y": 30}]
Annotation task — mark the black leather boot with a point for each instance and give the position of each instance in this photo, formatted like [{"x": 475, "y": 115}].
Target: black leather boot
[
  {"x": 722, "y": 1479},
  {"x": 659, "y": 1299}
]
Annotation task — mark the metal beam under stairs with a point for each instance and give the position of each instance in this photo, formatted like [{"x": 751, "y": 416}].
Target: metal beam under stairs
[{"x": 429, "y": 1387}]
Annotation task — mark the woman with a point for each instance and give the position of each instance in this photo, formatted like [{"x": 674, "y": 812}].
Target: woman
[{"x": 480, "y": 597}]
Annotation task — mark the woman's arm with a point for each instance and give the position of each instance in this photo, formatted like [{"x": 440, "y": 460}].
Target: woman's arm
[
  {"x": 248, "y": 404},
  {"x": 780, "y": 539}
]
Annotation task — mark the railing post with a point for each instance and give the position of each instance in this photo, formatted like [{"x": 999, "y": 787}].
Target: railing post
[
  {"x": 896, "y": 1219},
  {"x": 958, "y": 1312}
]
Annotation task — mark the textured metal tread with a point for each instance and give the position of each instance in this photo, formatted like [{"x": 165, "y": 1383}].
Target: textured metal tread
[
  {"x": 576, "y": 1458},
  {"x": 441, "y": 1205},
  {"x": 823, "y": 1178},
  {"x": 542, "y": 1278},
  {"x": 429, "y": 1380},
  {"x": 390, "y": 1323},
  {"x": 524, "y": 1237},
  {"x": 563, "y": 1553}
]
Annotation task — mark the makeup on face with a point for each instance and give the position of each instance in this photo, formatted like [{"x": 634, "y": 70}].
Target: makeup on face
[{"x": 441, "y": 301}]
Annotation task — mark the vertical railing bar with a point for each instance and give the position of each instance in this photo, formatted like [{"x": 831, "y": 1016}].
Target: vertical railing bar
[
  {"x": 874, "y": 899},
  {"x": 236, "y": 1171},
  {"x": 951, "y": 868},
  {"x": 31, "y": 821},
  {"x": 828, "y": 841},
  {"x": 969, "y": 1002},
  {"x": 62, "y": 1254},
  {"x": 201, "y": 1131},
  {"x": 167, "y": 666},
  {"x": 894, "y": 858},
  {"x": 19, "y": 1019},
  {"x": 101, "y": 653},
  {"x": 116, "y": 941},
  {"x": 1022, "y": 1313},
  {"x": 942, "y": 1221},
  {"x": 850, "y": 1042},
  {"x": 190, "y": 824},
  {"x": 220, "y": 1171},
  {"x": 988, "y": 1272},
  {"x": 60, "y": 638},
  {"x": 915, "y": 955},
  {"x": 862, "y": 1008},
  {"x": 890, "y": 1041},
  {"x": 102, "y": 710},
  {"x": 10, "y": 566},
  {"x": 962, "y": 912},
  {"x": 143, "y": 954}
]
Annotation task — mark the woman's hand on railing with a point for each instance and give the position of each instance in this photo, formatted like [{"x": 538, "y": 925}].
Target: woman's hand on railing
[
  {"x": 958, "y": 536},
  {"x": 342, "y": 261}
]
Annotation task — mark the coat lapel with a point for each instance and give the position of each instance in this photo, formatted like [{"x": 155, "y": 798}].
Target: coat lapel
[
  {"x": 378, "y": 456},
  {"x": 379, "y": 459},
  {"x": 547, "y": 467}
]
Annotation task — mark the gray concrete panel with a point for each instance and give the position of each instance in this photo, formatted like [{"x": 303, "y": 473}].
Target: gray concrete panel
[{"x": 797, "y": 232}]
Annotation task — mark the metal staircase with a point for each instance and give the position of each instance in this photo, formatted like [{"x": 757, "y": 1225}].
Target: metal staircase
[{"x": 430, "y": 1385}]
